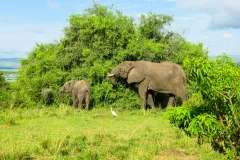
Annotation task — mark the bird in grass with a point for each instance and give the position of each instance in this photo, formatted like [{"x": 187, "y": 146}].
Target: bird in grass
[{"x": 113, "y": 113}]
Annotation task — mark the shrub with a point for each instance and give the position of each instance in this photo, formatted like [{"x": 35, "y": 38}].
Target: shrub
[
  {"x": 216, "y": 118},
  {"x": 5, "y": 92},
  {"x": 93, "y": 43}
]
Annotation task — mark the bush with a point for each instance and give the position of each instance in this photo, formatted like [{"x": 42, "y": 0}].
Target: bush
[
  {"x": 202, "y": 126},
  {"x": 93, "y": 43},
  {"x": 216, "y": 118},
  {"x": 47, "y": 96},
  {"x": 5, "y": 92}
]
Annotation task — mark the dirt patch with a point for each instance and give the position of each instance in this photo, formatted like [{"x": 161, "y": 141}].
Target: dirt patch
[{"x": 174, "y": 154}]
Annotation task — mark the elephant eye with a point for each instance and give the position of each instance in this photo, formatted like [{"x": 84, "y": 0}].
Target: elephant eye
[{"x": 122, "y": 71}]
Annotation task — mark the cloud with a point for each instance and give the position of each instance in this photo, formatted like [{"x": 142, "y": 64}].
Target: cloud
[
  {"x": 224, "y": 14},
  {"x": 52, "y": 4},
  {"x": 210, "y": 4},
  {"x": 191, "y": 23},
  {"x": 18, "y": 40},
  {"x": 196, "y": 30},
  {"x": 227, "y": 35},
  {"x": 223, "y": 20},
  {"x": 205, "y": 37},
  {"x": 184, "y": 18}
]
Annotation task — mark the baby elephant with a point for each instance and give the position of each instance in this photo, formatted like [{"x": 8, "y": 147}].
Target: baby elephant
[{"x": 80, "y": 90}]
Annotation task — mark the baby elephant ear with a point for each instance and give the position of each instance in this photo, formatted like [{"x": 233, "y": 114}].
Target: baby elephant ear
[
  {"x": 135, "y": 75},
  {"x": 71, "y": 84}
]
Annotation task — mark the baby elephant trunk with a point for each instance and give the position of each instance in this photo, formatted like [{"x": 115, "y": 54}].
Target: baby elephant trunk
[{"x": 60, "y": 92}]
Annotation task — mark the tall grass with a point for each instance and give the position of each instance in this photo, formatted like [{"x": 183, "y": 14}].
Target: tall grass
[{"x": 64, "y": 133}]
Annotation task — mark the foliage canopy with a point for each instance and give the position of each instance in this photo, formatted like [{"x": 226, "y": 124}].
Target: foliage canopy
[{"x": 93, "y": 43}]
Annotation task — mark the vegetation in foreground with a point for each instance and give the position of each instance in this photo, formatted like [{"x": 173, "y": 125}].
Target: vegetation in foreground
[
  {"x": 64, "y": 133},
  {"x": 212, "y": 114}
]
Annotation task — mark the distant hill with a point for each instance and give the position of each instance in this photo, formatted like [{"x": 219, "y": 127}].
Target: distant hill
[
  {"x": 10, "y": 59},
  {"x": 10, "y": 63},
  {"x": 236, "y": 58},
  {"x": 232, "y": 56}
]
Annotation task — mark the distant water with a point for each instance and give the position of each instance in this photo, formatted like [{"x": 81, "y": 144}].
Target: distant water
[
  {"x": 9, "y": 69},
  {"x": 10, "y": 77}
]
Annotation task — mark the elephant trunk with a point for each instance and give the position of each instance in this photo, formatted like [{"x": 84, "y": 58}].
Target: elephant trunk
[
  {"x": 113, "y": 74},
  {"x": 60, "y": 91},
  {"x": 112, "y": 78}
]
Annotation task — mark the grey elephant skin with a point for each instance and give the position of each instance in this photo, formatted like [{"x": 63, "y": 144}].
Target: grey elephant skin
[
  {"x": 80, "y": 90},
  {"x": 164, "y": 77}
]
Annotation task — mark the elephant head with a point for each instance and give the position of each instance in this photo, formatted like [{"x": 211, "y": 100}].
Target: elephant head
[
  {"x": 128, "y": 69},
  {"x": 67, "y": 87}
]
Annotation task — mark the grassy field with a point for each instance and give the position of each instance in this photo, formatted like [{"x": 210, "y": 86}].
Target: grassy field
[{"x": 64, "y": 133}]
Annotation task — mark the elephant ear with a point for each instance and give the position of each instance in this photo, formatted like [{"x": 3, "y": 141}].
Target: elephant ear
[
  {"x": 71, "y": 85},
  {"x": 125, "y": 68},
  {"x": 135, "y": 75}
]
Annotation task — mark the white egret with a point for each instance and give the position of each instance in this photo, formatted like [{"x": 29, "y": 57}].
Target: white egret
[{"x": 113, "y": 113}]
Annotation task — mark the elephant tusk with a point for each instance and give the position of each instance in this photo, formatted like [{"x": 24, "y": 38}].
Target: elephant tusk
[{"x": 110, "y": 75}]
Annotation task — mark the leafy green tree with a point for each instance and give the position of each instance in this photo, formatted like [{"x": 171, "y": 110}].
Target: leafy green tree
[
  {"x": 152, "y": 26},
  {"x": 40, "y": 70},
  {"x": 93, "y": 43}
]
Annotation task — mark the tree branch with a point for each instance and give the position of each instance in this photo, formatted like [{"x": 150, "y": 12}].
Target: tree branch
[{"x": 231, "y": 106}]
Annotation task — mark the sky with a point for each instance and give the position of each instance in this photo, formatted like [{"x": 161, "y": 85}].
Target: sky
[{"x": 215, "y": 23}]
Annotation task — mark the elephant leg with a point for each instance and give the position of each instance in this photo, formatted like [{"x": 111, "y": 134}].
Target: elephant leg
[
  {"x": 184, "y": 96},
  {"x": 171, "y": 99},
  {"x": 80, "y": 100},
  {"x": 87, "y": 99},
  {"x": 181, "y": 92},
  {"x": 150, "y": 100},
  {"x": 142, "y": 89},
  {"x": 74, "y": 100}
]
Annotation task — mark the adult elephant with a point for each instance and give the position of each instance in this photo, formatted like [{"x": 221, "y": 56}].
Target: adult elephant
[
  {"x": 80, "y": 90},
  {"x": 164, "y": 77}
]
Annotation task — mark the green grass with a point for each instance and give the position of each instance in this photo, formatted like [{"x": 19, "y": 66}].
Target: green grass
[{"x": 64, "y": 133}]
